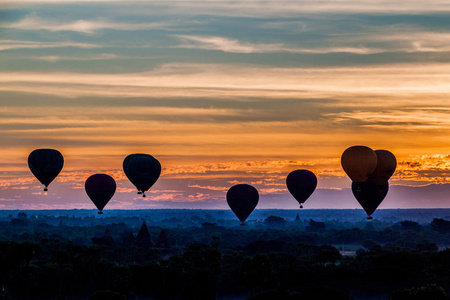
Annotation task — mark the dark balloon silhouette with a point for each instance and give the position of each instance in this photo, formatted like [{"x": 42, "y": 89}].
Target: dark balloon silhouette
[
  {"x": 242, "y": 199},
  {"x": 301, "y": 184},
  {"x": 359, "y": 162},
  {"x": 386, "y": 164},
  {"x": 45, "y": 164},
  {"x": 370, "y": 195},
  {"x": 100, "y": 188},
  {"x": 142, "y": 170}
]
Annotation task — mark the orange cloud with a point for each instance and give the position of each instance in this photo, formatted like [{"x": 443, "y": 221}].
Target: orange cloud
[{"x": 213, "y": 188}]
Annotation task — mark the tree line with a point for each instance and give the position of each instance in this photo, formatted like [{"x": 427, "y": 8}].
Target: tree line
[{"x": 280, "y": 259}]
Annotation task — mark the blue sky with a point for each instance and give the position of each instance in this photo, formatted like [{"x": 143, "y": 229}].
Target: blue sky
[{"x": 223, "y": 92}]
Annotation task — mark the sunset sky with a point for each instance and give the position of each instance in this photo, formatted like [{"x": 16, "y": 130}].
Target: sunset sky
[{"x": 224, "y": 92}]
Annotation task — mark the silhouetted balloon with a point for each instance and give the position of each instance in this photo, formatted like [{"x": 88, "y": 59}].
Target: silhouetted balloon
[
  {"x": 142, "y": 170},
  {"x": 242, "y": 199},
  {"x": 45, "y": 164},
  {"x": 100, "y": 188},
  {"x": 359, "y": 162},
  {"x": 301, "y": 184},
  {"x": 370, "y": 195},
  {"x": 386, "y": 164}
]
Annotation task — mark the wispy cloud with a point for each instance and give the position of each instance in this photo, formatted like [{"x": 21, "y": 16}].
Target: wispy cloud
[
  {"x": 395, "y": 40},
  {"x": 17, "y": 44},
  {"x": 276, "y": 169},
  {"x": 402, "y": 39},
  {"x": 87, "y": 57},
  {"x": 82, "y": 26},
  {"x": 236, "y": 46},
  {"x": 55, "y": 58},
  {"x": 407, "y": 119},
  {"x": 225, "y": 44},
  {"x": 209, "y": 187}
]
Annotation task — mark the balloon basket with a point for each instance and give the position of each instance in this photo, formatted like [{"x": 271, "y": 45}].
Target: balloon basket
[
  {"x": 369, "y": 218},
  {"x": 143, "y": 195},
  {"x": 100, "y": 213},
  {"x": 139, "y": 193},
  {"x": 45, "y": 189},
  {"x": 242, "y": 224},
  {"x": 301, "y": 206},
  {"x": 358, "y": 186}
]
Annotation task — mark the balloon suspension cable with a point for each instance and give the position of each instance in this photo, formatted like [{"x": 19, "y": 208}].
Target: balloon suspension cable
[
  {"x": 45, "y": 189},
  {"x": 100, "y": 213},
  {"x": 139, "y": 193},
  {"x": 369, "y": 218}
]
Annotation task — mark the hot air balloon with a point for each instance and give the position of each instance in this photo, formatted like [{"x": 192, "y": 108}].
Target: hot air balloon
[
  {"x": 242, "y": 199},
  {"x": 45, "y": 164},
  {"x": 100, "y": 188},
  {"x": 359, "y": 162},
  {"x": 370, "y": 195},
  {"x": 142, "y": 170},
  {"x": 301, "y": 184},
  {"x": 386, "y": 164}
]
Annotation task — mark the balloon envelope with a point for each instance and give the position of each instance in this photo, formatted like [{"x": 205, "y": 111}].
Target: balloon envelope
[
  {"x": 100, "y": 188},
  {"x": 369, "y": 195},
  {"x": 359, "y": 162},
  {"x": 45, "y": 164},
  {"x": 386, "y": 164},
  {"x": 142, "y": 170},
  {"x": 242, "y": 199},
  {"x": 301, "y": 184}
]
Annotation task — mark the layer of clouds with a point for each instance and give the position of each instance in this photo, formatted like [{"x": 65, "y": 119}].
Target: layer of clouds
[
  {"x": 18, "y": 196},
  {"x": 381, "y": 80},
  {"x": 227, "y": 110},
  {"x": 205, "y": 185},
  {"x": 263, "y": 8}
]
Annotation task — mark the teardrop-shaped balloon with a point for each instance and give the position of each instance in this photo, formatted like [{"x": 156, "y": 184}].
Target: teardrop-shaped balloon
[
  {"x": 45, "y": 164},
  {"x": 100, "y": 188},
  {"x": 142, "y": 170},
  {"x": 386, "y": 164},
  {"x": 370, "y": 195},
  {"x": 242, "y": 199},
  {"x": 301, "y": 184},
  {"x": 359, "y": 162}
]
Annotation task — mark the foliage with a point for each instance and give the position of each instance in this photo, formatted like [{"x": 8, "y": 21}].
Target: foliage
[
  {"x": 275, "y": 221},
  {"x": 440, "y": 225},
  {"x": 73, "y": 258},
  {"x": 430, "y": 291}
]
